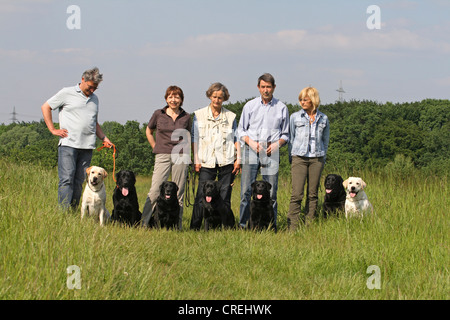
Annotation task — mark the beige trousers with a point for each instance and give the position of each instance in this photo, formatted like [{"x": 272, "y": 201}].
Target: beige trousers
[{"x": 165, "y": 167}]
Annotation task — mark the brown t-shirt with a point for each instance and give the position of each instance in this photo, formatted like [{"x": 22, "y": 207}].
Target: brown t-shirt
[{"x": 165, "y": 127}]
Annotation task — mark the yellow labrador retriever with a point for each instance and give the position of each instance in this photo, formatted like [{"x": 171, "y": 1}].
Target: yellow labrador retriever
[
  {"x": 356, "y": 203},
  {"x": 94, "y": 196}
]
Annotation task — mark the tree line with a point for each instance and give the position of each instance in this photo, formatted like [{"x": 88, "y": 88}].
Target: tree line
[{"x": 397, "y": 137}]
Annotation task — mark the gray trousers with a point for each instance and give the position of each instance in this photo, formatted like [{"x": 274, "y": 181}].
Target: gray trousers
[{"x": 304, "y": 170}]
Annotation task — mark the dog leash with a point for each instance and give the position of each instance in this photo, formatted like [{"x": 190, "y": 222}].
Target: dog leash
[
  {"x": 114, "y": 156},
  {"x": 191, "y": 175}
]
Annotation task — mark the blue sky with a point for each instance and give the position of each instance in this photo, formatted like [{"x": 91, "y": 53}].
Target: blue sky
[{"x": 142, "y": 47}]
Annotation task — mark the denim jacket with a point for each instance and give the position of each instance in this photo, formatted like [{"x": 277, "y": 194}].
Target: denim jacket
[{"x": 299, "y": 129}]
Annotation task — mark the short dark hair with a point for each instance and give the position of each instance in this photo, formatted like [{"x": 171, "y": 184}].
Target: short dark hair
[
  {"x": 174, "y": 90},
  {"x": 266, "y": 77}
]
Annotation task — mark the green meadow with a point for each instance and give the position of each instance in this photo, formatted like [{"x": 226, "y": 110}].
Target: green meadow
[{"x": 407, "y": 240}]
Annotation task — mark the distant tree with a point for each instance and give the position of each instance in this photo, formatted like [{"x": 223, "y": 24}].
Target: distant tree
[{"x": 363, "y": 134}]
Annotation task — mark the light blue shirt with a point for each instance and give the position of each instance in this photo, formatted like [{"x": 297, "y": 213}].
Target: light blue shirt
[
  {"x": 78, "y": 115},
  {"x": 264, "y": 123}
]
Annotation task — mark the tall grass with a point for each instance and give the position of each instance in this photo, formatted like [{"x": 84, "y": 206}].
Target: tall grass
[{"x": 407, "y": 239}]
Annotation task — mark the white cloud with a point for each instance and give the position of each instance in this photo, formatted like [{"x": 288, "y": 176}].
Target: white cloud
[
  {"x": 20, "y": 55},
  {"x": 297, "y": 41},
  {"x": 14, "y": 6}
]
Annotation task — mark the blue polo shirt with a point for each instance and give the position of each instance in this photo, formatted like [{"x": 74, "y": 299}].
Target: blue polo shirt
[{"x": 78, "y": 115}]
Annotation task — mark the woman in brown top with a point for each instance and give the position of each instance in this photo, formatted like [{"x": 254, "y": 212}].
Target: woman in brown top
[{"x": 171, "y": 146}]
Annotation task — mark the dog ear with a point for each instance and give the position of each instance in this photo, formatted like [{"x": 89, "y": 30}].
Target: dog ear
[
  {"x": 345, "y": 183},
  {"x": 363, "y": 184},
  {"x": 269, "y": 185},
  {"x": 105, "y": 173},
  {"x": 88, "y": 170}
]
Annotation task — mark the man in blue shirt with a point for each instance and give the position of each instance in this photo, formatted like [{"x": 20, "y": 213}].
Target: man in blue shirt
[
  {"x": 263, "y": 129},
  {"x": 78, "y": 113}
]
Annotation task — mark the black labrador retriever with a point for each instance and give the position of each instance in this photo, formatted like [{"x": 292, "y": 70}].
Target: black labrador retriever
[
  {"x": 126, "y": 205},
  {"x": 214, "y": 210},
  {"x": 167, "y": 210},
  {"x": 335, "y": 195},
  {"x": 261, "y": 207}
]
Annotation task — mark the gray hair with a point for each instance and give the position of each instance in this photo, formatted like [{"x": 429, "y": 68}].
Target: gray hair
[
  {"x": 93, "y": 75},
  {"x": 218, "y": 87}
]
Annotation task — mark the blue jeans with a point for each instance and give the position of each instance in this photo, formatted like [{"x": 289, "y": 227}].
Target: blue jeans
[
  {"x": 269, "y": 172},
  {"x": 72, "y": 165}
]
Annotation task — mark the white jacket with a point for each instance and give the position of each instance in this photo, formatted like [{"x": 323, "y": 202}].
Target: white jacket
[{"x": 215, "y": 137}]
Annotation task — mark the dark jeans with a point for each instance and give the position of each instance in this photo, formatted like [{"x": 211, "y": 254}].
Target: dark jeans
[{"x": 225, "y": 176}]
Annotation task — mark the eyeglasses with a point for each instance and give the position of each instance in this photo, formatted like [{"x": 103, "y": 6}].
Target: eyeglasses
[{"x": 92, "y": 88}]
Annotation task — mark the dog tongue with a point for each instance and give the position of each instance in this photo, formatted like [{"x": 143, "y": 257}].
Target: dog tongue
[
  {"x": 208, "y": 199},
  {"x": 259, "y": 196},
  {"x": 124, "y": 192},
  {"x": 352, "y": 194},
  {"x": 167, "y": 196},
  {"x": 328, "y": 190}
]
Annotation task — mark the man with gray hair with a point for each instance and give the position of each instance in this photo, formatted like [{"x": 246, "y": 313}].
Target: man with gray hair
[{"x": 78, "y": 129}]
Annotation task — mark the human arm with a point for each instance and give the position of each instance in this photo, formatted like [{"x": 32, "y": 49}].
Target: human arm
[
  {"x": 238, "y": 161},
  {"x": 102, "y": 136},
  {"x": 284, "y": 133},
  {"x": 194, "y": 144},
  {"x": 150, "y": 137},
  {"x": 326, "y": 139},
  {"x": 47, "y": 113}
]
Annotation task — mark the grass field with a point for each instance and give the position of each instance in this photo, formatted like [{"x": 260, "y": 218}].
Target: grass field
[{"x": 408, "y": 239}]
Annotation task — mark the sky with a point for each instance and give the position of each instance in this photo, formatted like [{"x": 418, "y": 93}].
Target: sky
[{"x": 397, "y": 53}]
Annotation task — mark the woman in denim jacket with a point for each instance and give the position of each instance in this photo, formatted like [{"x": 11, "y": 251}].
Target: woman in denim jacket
[{"x": 308, "y": 145}]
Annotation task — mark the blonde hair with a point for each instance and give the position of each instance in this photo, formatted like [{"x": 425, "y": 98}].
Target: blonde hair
[{"x": 311, "y": 93}]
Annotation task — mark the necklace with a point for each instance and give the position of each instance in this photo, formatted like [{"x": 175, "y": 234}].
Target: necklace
[{"x": 173, "y": 114}]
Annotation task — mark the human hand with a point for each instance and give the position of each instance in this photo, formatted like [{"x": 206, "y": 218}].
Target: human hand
[
  {"x": 237, "y": 167},
  {"x": 107, "y": 143},
  {"x": 63, "y": 133},
  {"x": 273, "y": 147}
]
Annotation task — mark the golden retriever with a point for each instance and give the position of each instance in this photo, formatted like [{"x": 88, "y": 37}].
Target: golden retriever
[
  {"x": 94, "y": 196},
  {"x": 356, "y": 203}
]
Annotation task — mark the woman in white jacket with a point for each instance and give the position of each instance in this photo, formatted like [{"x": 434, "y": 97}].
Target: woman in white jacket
[{"x": 215, "y": 147}]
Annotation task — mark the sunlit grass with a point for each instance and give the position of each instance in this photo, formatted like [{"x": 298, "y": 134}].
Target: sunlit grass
[{"x": 407, "y": 238}]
